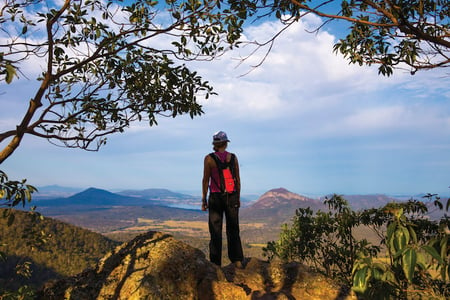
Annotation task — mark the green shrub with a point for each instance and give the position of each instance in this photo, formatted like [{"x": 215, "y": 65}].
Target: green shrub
[{"x": 417, "y": 248}]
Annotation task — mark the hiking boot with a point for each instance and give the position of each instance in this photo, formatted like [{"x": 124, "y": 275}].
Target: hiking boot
[{"x": 238, "y": 265}]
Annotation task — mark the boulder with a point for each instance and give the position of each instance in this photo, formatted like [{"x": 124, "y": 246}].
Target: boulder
[{"x": 155, "y": 265}]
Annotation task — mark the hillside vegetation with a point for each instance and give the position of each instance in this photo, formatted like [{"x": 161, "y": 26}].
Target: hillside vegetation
[
  {"x": 47, "y": 247},
  {"x": 411, "y": 260}
]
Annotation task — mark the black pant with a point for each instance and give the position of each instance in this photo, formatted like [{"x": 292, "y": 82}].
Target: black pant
[{"x": 218, "y": 205}]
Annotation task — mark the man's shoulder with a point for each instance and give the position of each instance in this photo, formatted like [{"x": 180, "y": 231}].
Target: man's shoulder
[{"x": 209, "y": 156}]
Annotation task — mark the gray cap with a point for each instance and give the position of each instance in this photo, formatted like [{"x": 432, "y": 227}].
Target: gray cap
[{"x": 219, "y": 137}]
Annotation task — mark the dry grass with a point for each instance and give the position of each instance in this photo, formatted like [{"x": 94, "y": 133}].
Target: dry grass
[
  {"x": 252, "y": 225},
  {"x": 186, "y": 224},
  {"x": 179, "y": 227},
  {"x": 188, "y": 228},
  {"x": 257, "y": 245}
]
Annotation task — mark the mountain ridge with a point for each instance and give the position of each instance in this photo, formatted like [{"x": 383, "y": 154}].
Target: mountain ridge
[
  {"x": 271, "y": 199},
  {"x": 160, "y": 196}
]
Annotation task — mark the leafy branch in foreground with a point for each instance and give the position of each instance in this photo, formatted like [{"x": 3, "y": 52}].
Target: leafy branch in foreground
[
  {"x": 392, "y": 34},
  {"x": 107, "y": 64},
  {"x": 13, "y": 193}
]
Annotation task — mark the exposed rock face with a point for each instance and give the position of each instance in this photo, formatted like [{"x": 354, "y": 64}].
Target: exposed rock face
[{"x": 156, "y": 266}]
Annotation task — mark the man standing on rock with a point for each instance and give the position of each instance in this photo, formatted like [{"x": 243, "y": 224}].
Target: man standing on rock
[{"x": 224, "y": 198}]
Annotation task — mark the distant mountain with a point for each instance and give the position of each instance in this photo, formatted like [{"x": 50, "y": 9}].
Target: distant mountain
[
  {"x": 276, "y": 198},
  {"x": 102, "y": 197},
  {"x": 359, "y": 202},
  {"x": 59, "y": 196},
  {"x": 93, "y": 197},
  {"x": 102, "y": 210},
  {"x": 278, "y": 206}
]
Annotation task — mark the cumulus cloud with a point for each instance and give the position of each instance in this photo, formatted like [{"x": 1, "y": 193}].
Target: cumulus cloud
[
  {"x": 300, "y": 74},
  {"x": 302, "y": 80}
]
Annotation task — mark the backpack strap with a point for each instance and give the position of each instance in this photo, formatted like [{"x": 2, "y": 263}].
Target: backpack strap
[
  {"x": 232, "y": 164},
  {"x": 221, "y": 166}
]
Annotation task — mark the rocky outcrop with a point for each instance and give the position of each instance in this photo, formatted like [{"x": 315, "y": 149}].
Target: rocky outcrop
[{"x": 157, "y": 266}]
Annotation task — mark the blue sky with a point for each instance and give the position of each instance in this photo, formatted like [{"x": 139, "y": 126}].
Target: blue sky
[{"x": 304, "y": 120}]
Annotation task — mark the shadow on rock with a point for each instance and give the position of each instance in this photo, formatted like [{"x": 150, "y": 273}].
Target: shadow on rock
[
  {"x": 156, "y": 266},
  {"x": 151, "y": 266},
  {"x": 269, "y": 281}
]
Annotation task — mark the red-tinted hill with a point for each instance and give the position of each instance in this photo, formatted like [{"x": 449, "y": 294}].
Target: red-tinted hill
[{"x": 278, "y": 205}]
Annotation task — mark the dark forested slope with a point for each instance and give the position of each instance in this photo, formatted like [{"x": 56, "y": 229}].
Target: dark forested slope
[{"x": 54, "y": 248}]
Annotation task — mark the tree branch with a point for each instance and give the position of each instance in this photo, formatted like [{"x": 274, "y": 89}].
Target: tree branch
[
  {"x": 35, "y": 102},
  {"x": 335, "y": 16}
]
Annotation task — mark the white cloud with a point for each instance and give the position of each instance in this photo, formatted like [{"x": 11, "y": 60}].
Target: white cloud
[
  {"x": 368, "y": 120},
  {"x": 300, "y": 75},
  {"x": 320, "y": 94}
]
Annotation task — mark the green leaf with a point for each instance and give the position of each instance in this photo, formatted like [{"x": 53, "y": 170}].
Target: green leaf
[
  {"x": 431, "y": 251},
  {"x": 10, "y": 73},
  {"x": 413, "y": 234},
  {"x": 421, "y": 260},
  {"x": 377, "y": 274},
  {"x": 406, "y": 234},
  {"x": 360, "y": 280},
  {"x": 390, "y": 230},
  {"x": 399, "y": 240},
  {"x": 445, "y": 272},
  {"x": 443, "y": 244},
  {"x": 27, "y": 195},
  {"x": 389, "y": 276},
  {"x": 409, "y": 259}
]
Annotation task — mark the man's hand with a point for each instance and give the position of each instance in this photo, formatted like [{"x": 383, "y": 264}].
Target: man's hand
[{"x": 204, "y": 205}]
